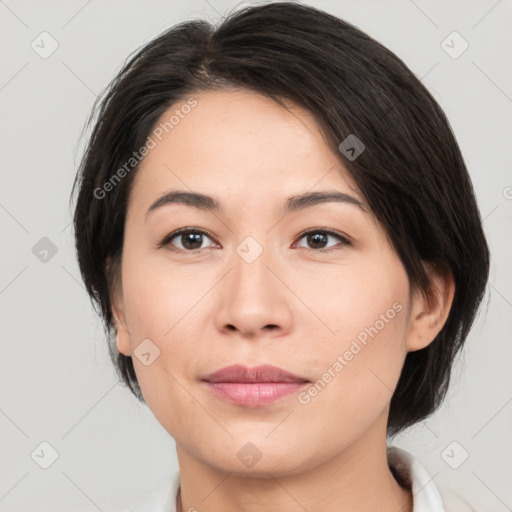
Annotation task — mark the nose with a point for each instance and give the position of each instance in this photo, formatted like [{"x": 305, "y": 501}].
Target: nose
[{"x": 255, "y": 300}]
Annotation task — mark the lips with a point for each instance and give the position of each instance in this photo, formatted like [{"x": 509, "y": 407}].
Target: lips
[
  {"x": 259, "y": 374},
  {"x": 253, "y": 387}
]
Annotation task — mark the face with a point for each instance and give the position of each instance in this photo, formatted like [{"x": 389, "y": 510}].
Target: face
[{"x": 315, "y": 289}]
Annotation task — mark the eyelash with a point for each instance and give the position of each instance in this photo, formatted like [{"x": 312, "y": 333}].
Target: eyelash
[{"x": 167, "y": 239}]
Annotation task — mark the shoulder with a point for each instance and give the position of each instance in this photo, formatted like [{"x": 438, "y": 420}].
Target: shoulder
[
  {"x": 428, "y": 495},
  {"x": 162, "y": 499}
]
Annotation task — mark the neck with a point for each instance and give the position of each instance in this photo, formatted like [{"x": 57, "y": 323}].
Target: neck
[{"x": 357, "y": 478}]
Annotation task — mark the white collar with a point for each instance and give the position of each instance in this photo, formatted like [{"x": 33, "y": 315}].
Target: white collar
[{"x": 406, "y": 468}]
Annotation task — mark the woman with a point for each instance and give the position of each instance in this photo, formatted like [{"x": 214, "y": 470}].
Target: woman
[{"x": 278, "y": 227}]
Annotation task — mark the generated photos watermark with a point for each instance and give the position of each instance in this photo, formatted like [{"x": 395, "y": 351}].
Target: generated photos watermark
[{"x": 156, "y": 136}]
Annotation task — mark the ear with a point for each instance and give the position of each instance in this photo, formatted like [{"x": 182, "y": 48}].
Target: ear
[
  {"x": 118, "y": 314},
  {"x": 430, "y": 310}
]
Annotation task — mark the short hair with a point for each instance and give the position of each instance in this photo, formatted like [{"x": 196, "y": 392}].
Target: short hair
[{"x": 411, "y": 173}]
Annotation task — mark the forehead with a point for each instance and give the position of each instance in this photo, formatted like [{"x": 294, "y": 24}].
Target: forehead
[{"x": 239, "y": 145}]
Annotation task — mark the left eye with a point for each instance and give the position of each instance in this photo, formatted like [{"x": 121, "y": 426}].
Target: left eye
[
  {"x": 190, "y": 239},
  {"x": 319, "y": 238}
]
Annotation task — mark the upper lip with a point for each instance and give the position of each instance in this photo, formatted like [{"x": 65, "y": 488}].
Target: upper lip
[{"x": 261, "y": 373}]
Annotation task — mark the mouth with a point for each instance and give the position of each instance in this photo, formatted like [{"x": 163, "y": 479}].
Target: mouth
[
  {"x": 259, "y": 374},
  {"x": 253, "y": 387}
]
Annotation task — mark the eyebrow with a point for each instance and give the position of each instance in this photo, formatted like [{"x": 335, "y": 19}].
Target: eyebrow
[{"x": 293, "y": 204}]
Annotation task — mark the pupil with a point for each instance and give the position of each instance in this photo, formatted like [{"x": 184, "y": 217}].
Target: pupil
[
  {"x": 317, "y": 238},
  {"x": 191, "y": 240}
]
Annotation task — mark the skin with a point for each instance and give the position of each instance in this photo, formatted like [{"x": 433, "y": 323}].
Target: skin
[{"x": 294, "y": 307}]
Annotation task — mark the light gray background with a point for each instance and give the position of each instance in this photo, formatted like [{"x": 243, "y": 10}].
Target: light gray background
[{"x": 57, "y": 383}]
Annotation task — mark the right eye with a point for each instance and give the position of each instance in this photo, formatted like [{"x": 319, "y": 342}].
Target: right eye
[{"x": 188, "y": 240}]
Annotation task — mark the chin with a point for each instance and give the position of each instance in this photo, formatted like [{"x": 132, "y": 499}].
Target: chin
[{"x": 256, "y": 460}]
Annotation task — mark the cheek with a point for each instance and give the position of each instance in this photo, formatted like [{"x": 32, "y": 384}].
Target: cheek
[
  {"x": 160, "y": 315},
  {"x": 157, "y": 296},
  {"x": 357, "y": 373},
  {"x": 161, "y": 306},
  {"x": 356, "y": 300},
  {"x": 360, "y": 358}
]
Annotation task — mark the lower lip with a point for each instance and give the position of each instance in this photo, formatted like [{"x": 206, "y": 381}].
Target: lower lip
[{"x": 254, "y": 394}]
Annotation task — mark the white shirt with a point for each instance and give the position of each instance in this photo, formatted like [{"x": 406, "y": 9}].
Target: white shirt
[{"x": 408, "y": 471}]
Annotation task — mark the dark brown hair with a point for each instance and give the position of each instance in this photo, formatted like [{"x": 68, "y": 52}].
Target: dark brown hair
[{"x": 411, "y": 173}]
